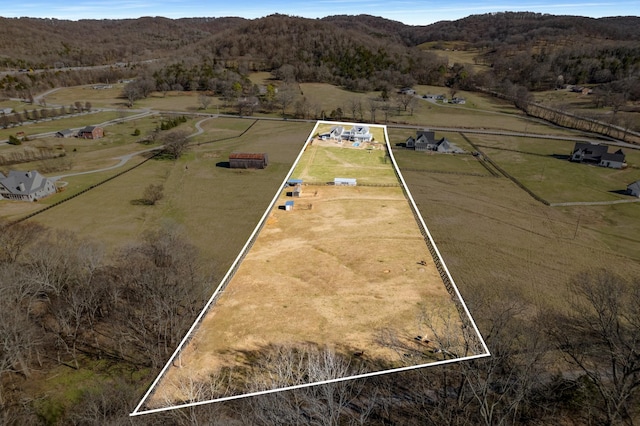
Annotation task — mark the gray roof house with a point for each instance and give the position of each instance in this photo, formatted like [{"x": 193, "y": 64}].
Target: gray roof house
[
  {"x": 425, "y": 140},
  {"x": 25, "y": 186},
  {"x": 358, "y": 134},
  {"x": 614, "y": 161},
  {"x": 597, "y": 154},
  {"x": 335, "y": 133},
  {"x": 634, "y": 189},
  {"x": 587, "y": 152}
]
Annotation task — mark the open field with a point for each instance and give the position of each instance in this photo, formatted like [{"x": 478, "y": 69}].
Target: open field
[
  {"x": 345, "y": 266},
  {"x": 99, "y": 98},
  {"x": 455, "y": 52},
  {"x": 500, "y": 244},
  {"x": 217, "y": 206},
  {"x": 542, "y": 166},
  {"x": 64, "y": 122}
]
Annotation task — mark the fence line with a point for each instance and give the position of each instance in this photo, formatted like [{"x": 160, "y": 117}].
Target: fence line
[
  {"x": 95, "y": 185},
  {"x": 465, "y": 316},
  {"x": 506, "y": 174}
]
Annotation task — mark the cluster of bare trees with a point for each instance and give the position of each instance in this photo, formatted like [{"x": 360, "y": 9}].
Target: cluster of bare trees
[{"x": 65, "y": 302}]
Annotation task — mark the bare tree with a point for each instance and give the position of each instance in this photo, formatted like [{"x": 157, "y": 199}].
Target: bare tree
[
  {"x": 175, "y": 143},
  {"x": 153, "y": 193},
  {"x": 286, "y": 95},
  {"x": 373, "y": 104},
  {"x": 16, "y": 238},
  {"x": 204, "y": 100},
  {"x": 600, "y": 335},
  {"x": 327, "y": 404}
]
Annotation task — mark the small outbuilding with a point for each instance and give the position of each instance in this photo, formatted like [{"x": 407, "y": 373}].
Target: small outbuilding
[
  {"x": 66, "y": 133},
  {"x": 248, "y": 160},
  {"x": 345, "y": 182},
  {"x": 288, "y": 205},
  {"x": 634, "y": 189}
]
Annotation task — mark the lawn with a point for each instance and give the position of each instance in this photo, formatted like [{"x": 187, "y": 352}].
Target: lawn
[
  {"x": 60, "y": 123},
  {"x": 212, "y": 202},
  {"x": 328, "y": 160},
  {"x": 99, "y": 98},
  {"x": 542, "y": 166}
]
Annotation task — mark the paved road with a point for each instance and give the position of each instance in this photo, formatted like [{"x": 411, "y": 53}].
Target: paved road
[
  {"x": 122, "y": 160},
  {"x": 594, "y": 203}
]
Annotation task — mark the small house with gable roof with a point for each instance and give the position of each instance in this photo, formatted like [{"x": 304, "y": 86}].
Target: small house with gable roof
[{"x": 634, "y": 189}]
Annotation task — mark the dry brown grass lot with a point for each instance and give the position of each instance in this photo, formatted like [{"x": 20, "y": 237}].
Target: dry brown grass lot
[{"x": 336, "y": 271}]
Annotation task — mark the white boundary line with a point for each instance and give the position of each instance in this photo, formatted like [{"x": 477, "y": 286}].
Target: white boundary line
[
  {"x": 435, "y": 247},
  {"x": 137, "y": 412}
]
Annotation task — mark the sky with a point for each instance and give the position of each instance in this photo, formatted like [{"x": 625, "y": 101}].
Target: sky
[{"x": 411, "y": 12}]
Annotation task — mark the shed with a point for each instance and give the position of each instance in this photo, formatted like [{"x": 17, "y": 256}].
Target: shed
[
  {"x": 248, "y": 160},
  {"x": 634, "y": 189},
  {"x": 66, "y": 133},
  {"x": 294, "y": 182},
  {"x": 344, "y": 182},
  {"x": 297, "y": 190},
  {"x": 288, "y": 205}
]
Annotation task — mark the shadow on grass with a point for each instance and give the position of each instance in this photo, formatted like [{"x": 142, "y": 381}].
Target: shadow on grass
[
  {"x": 620, "y": 192},
  {"x": 559, "y": 156},
  {"x": 224, "y": 164},
  {"x": 141, "y": 202}
]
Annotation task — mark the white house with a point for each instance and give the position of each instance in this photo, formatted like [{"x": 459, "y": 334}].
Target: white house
[
  {"x": 358, "y": 134},
  {"x": 25, "y": 186},
  {"x": 634, "y": 189},
  {"x": 335, "y": 133}
]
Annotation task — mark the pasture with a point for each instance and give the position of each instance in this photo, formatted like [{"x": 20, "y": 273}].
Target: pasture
[
  {"x": 346, "y": 266},
  {"x": 217, "y": 206},
  {"x": 499, "y": 243}
]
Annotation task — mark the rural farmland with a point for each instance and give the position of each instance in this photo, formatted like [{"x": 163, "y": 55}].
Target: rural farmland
[{"x": 347, "y": 269}]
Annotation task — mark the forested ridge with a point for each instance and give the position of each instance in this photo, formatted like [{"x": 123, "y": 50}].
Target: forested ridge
[{"x": 358, "y": 52}]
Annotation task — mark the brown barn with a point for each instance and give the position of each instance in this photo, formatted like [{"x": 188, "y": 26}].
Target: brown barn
[
  {"x": 248, "y": 160},
  {"x": 91, "y": 132}
]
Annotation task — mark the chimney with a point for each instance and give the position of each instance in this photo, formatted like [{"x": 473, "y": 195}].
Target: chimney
[
  {"x": 28, "y": 174},
  {"x": 21, "y": 187}
]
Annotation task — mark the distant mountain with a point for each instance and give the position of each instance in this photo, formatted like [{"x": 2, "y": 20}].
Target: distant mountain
[
  {"x": 514, "y": 27},
  {"x": 45, "y": 42},
  {"x": 361, "y": 52}
]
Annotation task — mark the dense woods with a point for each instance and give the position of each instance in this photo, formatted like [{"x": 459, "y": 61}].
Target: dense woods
[{"x": 357, "y": 52}]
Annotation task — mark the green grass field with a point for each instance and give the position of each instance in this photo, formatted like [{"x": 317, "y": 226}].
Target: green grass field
[
  {"x": 65, "y": 122},
  {"x": 218, "y": 206},
  {"x": 542, "y": 166}
]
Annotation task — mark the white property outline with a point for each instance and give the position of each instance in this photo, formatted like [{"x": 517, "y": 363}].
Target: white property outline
[{"x": 232, "y": 268}]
